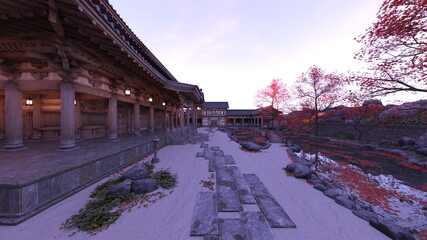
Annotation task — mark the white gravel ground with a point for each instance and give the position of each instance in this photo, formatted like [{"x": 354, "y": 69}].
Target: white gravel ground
[{"x": 317, "y": 217}]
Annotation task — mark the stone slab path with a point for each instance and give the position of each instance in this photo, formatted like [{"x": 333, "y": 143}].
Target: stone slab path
[
  {"x": 205, "y": 218},
  {"x": 233, "y": 191}
]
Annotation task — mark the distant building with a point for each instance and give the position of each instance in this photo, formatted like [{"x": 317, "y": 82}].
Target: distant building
[{"x": 216, "y": 114}]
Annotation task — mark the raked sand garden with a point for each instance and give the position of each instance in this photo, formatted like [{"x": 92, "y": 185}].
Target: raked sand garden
[{"x": 169, "y": 216}]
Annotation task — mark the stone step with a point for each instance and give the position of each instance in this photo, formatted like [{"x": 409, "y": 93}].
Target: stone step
[
  {"x": 224, "y": 177},
  {"x": 205, "y": 218},
  {"x": 219, "y": 162},
  {"x": 228, "y": 201},
  {"x": 229, "y": 159},
  {"x": 231, "y": 229},
  {"x": 256, "y": 186},
  {"x": 271, "y": 209},
  {"x": 211, "y": 165},
  {"x": 274, "y": 213},
  {"x": 215, "y": 148},
  {"x": 256, "y": 227},
  {"x": 208, "y": 153},
  {"x": 243, "y": 190}
]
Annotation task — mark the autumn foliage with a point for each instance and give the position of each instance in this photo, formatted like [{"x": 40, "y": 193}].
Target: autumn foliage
[
  {"x": 318, "y": 91},
  {"x": 276, "y": 94},
  {"x": 395, "y": 48}
]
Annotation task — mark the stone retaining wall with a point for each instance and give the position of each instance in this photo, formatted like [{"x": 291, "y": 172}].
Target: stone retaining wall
[
  {"x": 20, "y": 202},
  {"x": 374, "y": 134}
]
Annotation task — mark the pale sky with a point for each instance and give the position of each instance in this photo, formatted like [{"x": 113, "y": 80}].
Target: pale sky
[{"x": 233, "y": 48}]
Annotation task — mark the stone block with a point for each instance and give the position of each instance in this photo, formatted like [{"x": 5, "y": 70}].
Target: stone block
[
  {"x": 4, "y": 200},
  {"x": 243, "y": 190},
  {"x": 256, "y": 226},
  {"x": 56, "y": 186},
  {"x": 29, "y": 197},
  {"x": 70, "y": 180},
  {"x": 274, "y": 213},
  {"x": 228, "y": 201},
  {"x": 231, "y": 229},
  {"x": 205, "y": 217},
  {"x": 229, "y": 159},
  {"x": 86, "y": 173},
  {"x": 98, "y": 168},
  {"x": 14, "y": 200},
  {"x": 44, "y": 191}
]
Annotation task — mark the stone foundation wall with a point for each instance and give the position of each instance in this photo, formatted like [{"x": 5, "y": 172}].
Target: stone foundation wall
[
  {"x": 20, "y": 202},
  {"x": 374, "y": 134}
]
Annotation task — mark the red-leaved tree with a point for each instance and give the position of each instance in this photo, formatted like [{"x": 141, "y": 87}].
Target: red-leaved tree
[
  {"x": 318, "y": 91},
  {"x": 276, "y": 94},
  {"x": 395, "y": 48}
]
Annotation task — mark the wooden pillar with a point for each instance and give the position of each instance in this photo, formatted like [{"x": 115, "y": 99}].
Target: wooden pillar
[
  {"x": 170, "y": 119},
  {"x": 188, "y": 119},
  {"x": 112, "y": 117},
  {"x": 152, "y": 122},
  {"x": 37, "y": 117},
  {"x": 136, "y": 119},
  {"x": 195, "y": 120},
  {"x": 165, "y": 119},
  {"x": 78, "y": 115},
  {"x": 234, "y": 121},
  {"x": 13, "y": 118},
  {"x": 262, "y": 121},
  {"x": 181, "y": 120},
  {"x": 1, "y": 117},
  {"x": 68, "y": 125}
]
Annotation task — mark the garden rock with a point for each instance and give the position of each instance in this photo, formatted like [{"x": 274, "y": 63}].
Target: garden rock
[
  {"x": 295, "y": 149},
  {"x": 390, "y": 229},
  {"x": 267, "y": 145},
  {"x": 200, "y": 154},
  {"x": 314, "y": 178},
  {"x": 319, "y": 187},
  {"x": 413, "y": 161},
  {"x": 251, "y": 146},
  {"x": 422, "y": 140},
  {"x": 145, "y": 186},
  {"x": 345, "y": 202},
  {"x": 291, "y": 167},
  {"x": 121, "y": 189},
  {"x": 365, "y": 215},
  {"x": 422, "y": 151},
  {"x": 406, "y": 141},
  {"x": 302, "y": 171},
  {"x": 332, "y": 193},
  {"x": 136, "y": 172}
]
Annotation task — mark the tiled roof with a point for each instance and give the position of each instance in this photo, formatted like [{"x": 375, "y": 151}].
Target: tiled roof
[
  {"x": 239, "y": 112},
  {"x": 210, "y": 105}
]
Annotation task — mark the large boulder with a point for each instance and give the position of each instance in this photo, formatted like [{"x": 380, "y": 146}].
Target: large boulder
[
  {"x": 422, "y": 140},
  {"x": 136, "y": 172},
  {"x": 345, "y": 202},
  {"x": 390, "y": 229},
  {"x": 121, "y": 189},
  {"x": 251, "y": 146},
  {"x": 422, "y": 151},
  {"x": 302, "y": 171},
  {"x": 319, "y": 187},
  {"x": 332, "y": 193},
  {"x": 365, "y": 214},
  {"x": 291, "y": 167},
  {"x": 145, "y": 186},
  {"x": 406, "y": 141}
]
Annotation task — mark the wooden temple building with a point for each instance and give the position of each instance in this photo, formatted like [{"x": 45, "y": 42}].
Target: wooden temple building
[
  {"x": 73, "y": 70},
  {"x": 217, "y": 114}
]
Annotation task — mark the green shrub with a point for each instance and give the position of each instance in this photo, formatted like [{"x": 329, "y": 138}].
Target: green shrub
[
  {"x": 101, "y": 190},
  {"x": 166, "y": 179},
  {"x": 149, "y": 167}
]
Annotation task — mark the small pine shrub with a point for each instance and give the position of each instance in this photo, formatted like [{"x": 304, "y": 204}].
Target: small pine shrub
[
  {"x": 166, "y": 179},
  {"x": 149, "y": 167}
]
